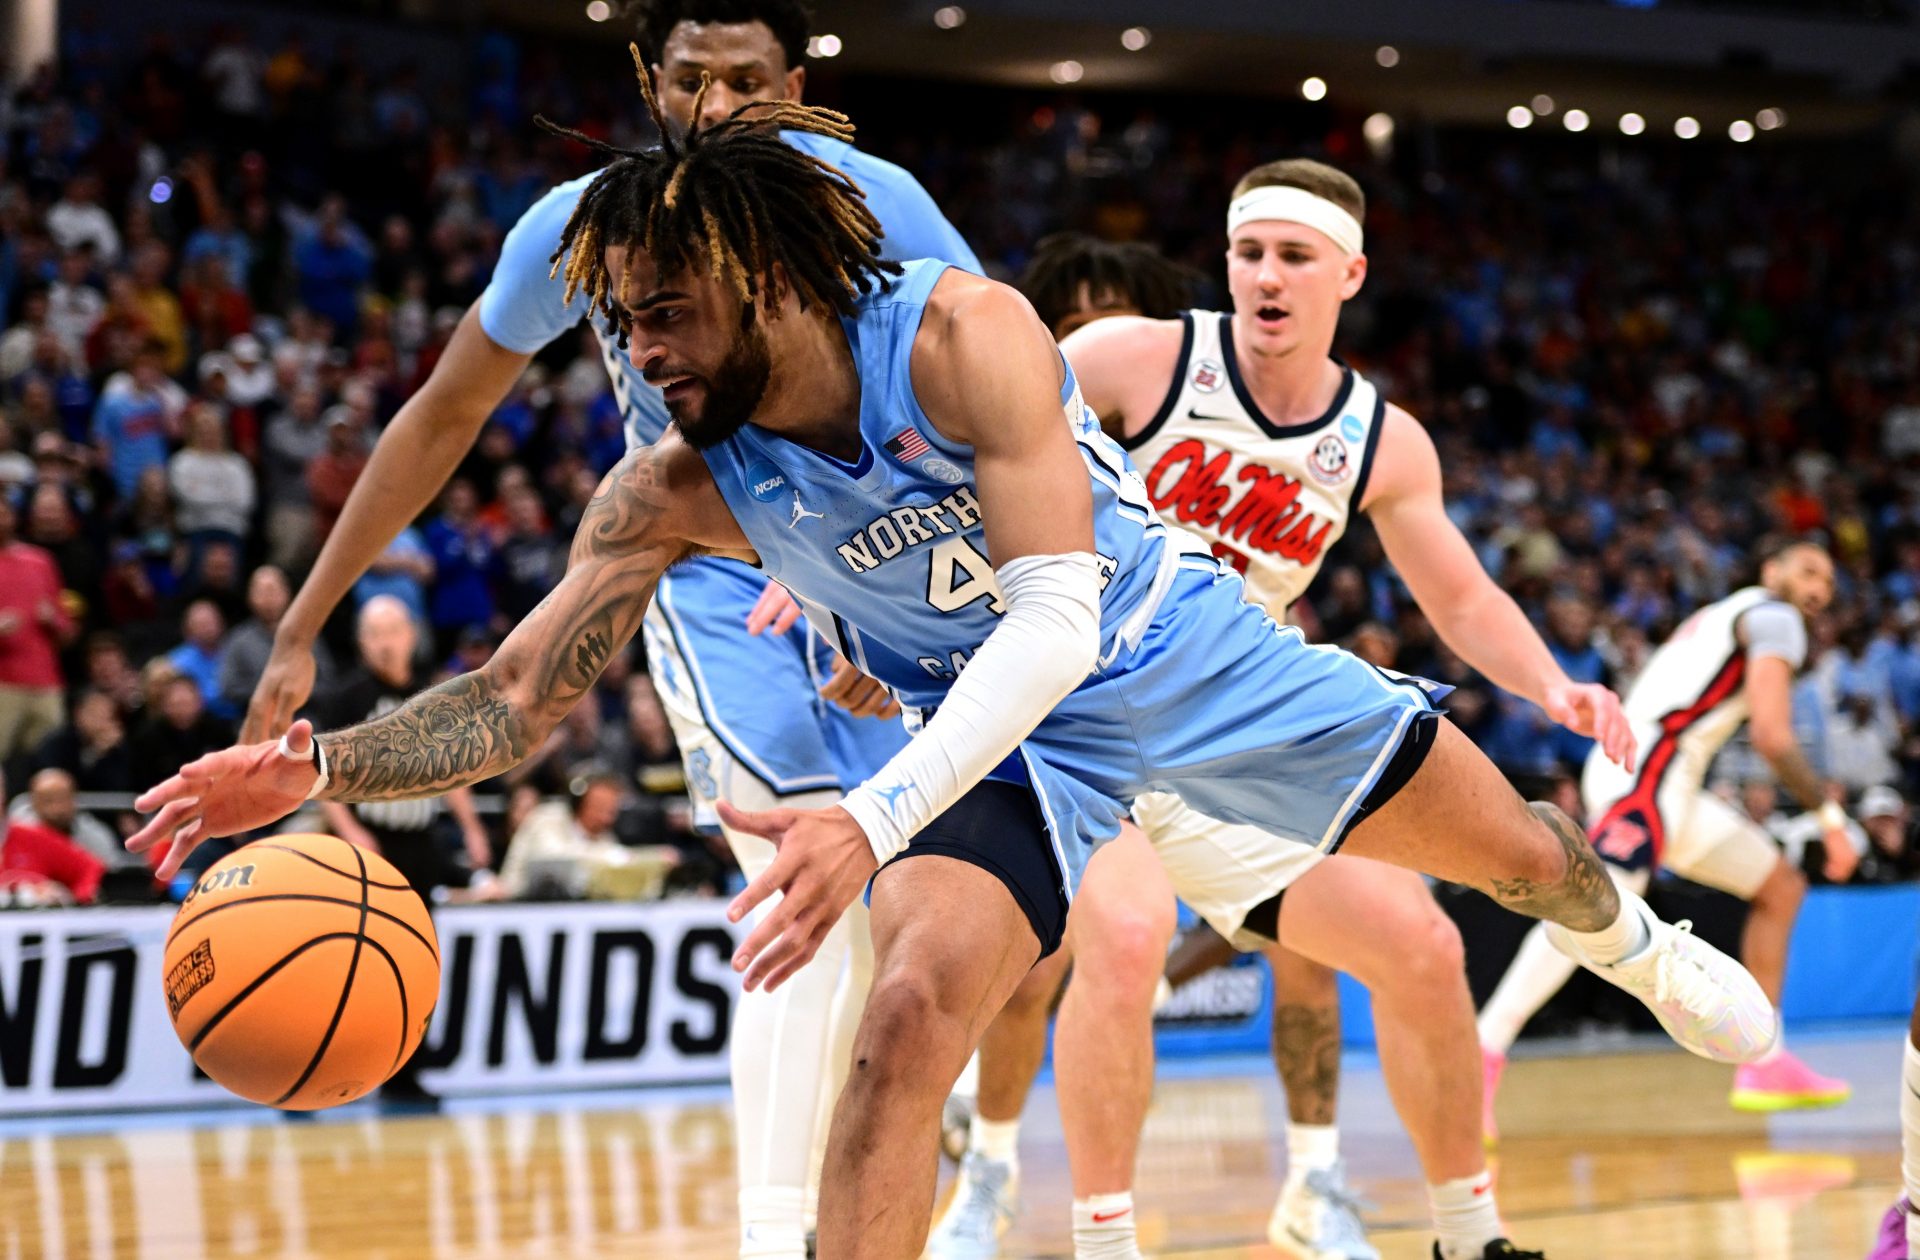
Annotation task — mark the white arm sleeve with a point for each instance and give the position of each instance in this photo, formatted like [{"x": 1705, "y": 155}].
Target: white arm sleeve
[
  {"x": 1042, "y": 649},
  {"x": 1775, "y": 629}
]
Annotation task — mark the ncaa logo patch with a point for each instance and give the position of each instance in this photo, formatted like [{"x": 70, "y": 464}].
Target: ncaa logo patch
[
  {"x": 940, "y": 470},
  {"x": 1207, "y": 376},
  {"x": 1329, "y": 463},
  {"x": 1352, "y": 427},
  {"x": 765, "y": 482}
]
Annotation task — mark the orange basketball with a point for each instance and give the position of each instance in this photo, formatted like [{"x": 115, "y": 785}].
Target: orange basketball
[{"x": 301, "y": 971}]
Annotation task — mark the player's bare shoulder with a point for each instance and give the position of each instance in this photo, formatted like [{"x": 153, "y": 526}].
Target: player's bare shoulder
[
  {"x": 659, "y": 497},
  {"x": 979, "y": 342},
  {"x": 1406, "y": 464},
  {"x": 1123, "y": 364}
]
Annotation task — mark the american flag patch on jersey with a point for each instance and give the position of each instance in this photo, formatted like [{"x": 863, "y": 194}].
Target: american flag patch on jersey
[{"x": 907, "y": 445}]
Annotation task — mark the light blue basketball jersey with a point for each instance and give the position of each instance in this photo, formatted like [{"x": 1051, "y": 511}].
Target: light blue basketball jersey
[
  {"x": 754, "y": 693},
  {"x": 521, "y": 308},
  {"x": 890, "y": 551},
  {"x": 1195, "y": 691}
]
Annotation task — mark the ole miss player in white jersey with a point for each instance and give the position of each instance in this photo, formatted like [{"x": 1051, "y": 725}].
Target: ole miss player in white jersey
[
  {"x": 1730, "y": 664},
  {"x": 1248, "y": 433}
]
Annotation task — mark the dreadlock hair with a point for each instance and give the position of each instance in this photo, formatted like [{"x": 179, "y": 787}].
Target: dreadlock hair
[
  {"x": 1152, "y": 283},
  {"x": 732, "y": 197},
  {"x": 654, "y": 20}
]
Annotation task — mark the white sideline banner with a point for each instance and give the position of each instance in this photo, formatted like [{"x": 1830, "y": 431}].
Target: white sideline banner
[{"x": 532, "y": 997}]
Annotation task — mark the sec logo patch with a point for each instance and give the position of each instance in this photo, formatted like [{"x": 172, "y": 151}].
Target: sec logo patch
[
  {"x": 1207, "y": 376},
  {"x": 1329, "y": 464}
]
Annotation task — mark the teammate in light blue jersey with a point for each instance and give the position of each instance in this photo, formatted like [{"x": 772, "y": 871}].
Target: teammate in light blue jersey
[
  {"x": 906, "y": 447},
  {"x": 744, "y": 708}
]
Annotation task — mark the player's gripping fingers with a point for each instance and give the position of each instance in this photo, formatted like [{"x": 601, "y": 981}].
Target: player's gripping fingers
[
  {"x": 185, "y": 839},
  {"x": 774, "y": 612},
  {"x": 772, "y": 925},
  {"x": 792, "y": 959}
]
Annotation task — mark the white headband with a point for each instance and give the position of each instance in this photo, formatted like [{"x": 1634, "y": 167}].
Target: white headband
[{"x": 1286, "y": 204}]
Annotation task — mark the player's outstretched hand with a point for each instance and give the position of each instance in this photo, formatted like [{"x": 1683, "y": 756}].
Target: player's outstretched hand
[
  {"x": 1594, "y": 711},
  {"x": 822, "y": 863},
  {"x": 858, "y": 694},
  {"x": 223, "y": 793},
  {"x": 282, "y": 689},
  {"x": 774, "y": 612}
]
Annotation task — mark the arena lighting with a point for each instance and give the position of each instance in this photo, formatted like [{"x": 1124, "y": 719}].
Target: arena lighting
[
  {"x": 1686, "y": 127},
  {"x": 1378, "y": 129},
  {"x": 824, "y": 46},
  {"x": 1576, "y": 119},
  {"x": 1543, "y": 104},
  {"x": 599, "y": 11},
  {"x": 1066, "y": 72},
  {"x": 1387, "y": 55},
  {"x": 949, "y": 16},
  {"x": 1134, "y": 38},
  {"x": 1740, "y": 131},
  {"x": 1771, "y": 119},
  {"x": 161, "y": 192},
  {"x": 1632, "y": 124},
  {"x": 1519, "y": 118},
  {"x": 1314, "y": 88}
]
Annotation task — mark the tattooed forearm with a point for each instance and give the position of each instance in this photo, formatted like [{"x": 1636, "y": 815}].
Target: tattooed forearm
[
  {"x": 481, "y": 724},
  {"x": 1583, "y": 898},
  {"x": 1306, "y": 1049},
  {"x": 458, "y": 733}
]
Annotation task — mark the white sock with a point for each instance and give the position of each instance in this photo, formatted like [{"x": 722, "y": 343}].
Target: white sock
[
  {"x": 968, "y": 1086},
  {"x": 1103, "y": 1228},
  {"x": 1537, "y": 972},
  {"x": 1310, "y": 1148},
  {"x": 1779, "y": 1048},
  {"x": 995, "y": 1139},
  {"x": 1464, "y": 1216},
  {"x": 1910, "y": 1140},
  {"x": 1623, "y": 938},
  {"x": 770, "y": 1226}
]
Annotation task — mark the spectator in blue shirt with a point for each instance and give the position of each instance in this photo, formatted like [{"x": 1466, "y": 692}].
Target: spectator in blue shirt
[
  {"x": 403, "y": 571},
  {"x": 332, "y": 264},
  {"x": 464, "y": 560},
  {"x": 199, "y": 657},
  {"x": 137, "y": 417}
]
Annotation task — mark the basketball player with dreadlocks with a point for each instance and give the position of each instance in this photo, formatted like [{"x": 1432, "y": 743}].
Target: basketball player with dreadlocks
[
  {"x": 744, "y": 710},
  {"x": 1251, "y": 435},
  {"x": 982, "y": 548}
]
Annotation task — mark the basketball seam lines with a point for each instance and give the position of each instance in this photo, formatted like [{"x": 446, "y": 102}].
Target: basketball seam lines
[
  {"x": 400, "y": 984},
  {"x": 308, "y": 857},
  {"x": 346, "y": 988},
  {"x": 213, "y": 1021},
  {"x": 320, "y": 897}
]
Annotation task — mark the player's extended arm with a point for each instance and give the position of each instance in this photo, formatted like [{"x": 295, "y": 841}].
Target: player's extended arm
[
  {"x": 651, "y": 510},
  {"x": 988, "y": 374},
  {"x": 1469, "y": 611},
  {"x": 413, "y": 459},
  {"x": 1769, "y": 688}
]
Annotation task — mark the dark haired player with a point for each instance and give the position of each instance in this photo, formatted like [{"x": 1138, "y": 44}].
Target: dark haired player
[
  {"x": 744, "y": 711},
  {"x": 980, "y": 546}
]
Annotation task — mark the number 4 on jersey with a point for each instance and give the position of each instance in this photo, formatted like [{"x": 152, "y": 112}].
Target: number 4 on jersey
[{"x": 957, "y": 575}]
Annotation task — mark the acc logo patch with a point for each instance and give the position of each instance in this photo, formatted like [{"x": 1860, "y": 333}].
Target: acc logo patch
[
  {"x": 765, "y": 482},
  {"x": 1329, "y": 464},
  {"x": 1207, "y": 376},
  {"x": 1352, "y": 427},
  {"x": 940, "y": 470}
]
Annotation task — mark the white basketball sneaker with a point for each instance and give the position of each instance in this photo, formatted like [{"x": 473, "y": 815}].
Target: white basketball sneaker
[
  {"x": 983, "y": 1206},
  {"x": 1318, "y": 1218},
  {"x": 1705, "y": 1000}
]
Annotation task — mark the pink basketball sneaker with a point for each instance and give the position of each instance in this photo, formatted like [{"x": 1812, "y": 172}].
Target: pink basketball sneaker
[
  {"x": 1784, "y": 1083},
  {"x": 1892, "y": 1243}
]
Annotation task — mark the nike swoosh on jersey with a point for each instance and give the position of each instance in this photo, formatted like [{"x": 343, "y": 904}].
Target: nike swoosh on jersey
[{"x": 1194, "y": 414}]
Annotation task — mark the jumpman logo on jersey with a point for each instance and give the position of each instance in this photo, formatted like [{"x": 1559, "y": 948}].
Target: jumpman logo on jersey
[
  {"x": 800, "y": 512},
  {"x": 893, "y": 794}
]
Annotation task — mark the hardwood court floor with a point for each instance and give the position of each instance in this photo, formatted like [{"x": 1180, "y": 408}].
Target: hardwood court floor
[{"x": 1621, "y": 1155}]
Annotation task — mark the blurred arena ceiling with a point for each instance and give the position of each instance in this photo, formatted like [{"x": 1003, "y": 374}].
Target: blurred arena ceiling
[{"x": 1459, "y": 61}]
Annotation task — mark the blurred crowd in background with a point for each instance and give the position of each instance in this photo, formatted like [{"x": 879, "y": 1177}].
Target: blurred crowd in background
[{"x": 223, "y": 265}]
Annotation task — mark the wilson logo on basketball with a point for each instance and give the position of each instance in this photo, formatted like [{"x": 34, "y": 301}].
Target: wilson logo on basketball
[
  {"x": 215, "y": 881},
  {"x": 1268, "y": 516},
  {"x": 190, "y": 975}
]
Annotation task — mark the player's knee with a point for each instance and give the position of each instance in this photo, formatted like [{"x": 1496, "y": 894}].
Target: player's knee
[
  {"x": 1123, "y": 945},
  {"x": 905, "y": 1028},
  {"x": 1547, "y": 860},
  {"x": 1438, "y": 957}
]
